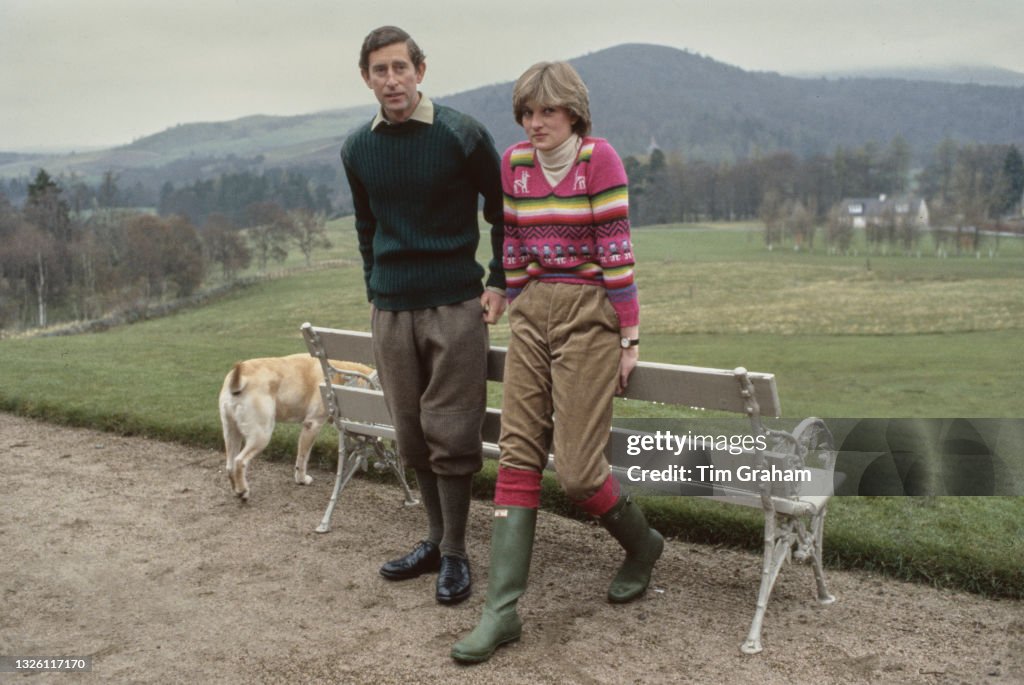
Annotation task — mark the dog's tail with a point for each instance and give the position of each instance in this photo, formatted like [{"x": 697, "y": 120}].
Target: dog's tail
[{"x": 236, "y": 382}]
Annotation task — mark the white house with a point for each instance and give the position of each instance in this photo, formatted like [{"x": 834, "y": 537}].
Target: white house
[{"x": 881, "y": 210}]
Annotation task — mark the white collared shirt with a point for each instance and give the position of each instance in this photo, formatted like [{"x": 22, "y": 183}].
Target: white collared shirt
[{"x": 423, "y": 113}]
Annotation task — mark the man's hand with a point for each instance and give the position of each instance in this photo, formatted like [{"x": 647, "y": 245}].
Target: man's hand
[{"x": 493, "y": 305}]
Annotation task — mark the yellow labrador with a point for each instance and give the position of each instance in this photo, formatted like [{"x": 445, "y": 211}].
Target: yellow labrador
[{"x": 259, "y": 392}]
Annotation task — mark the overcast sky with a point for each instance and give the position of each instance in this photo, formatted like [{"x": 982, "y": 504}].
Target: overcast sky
[{"x": 104, "y": 72}]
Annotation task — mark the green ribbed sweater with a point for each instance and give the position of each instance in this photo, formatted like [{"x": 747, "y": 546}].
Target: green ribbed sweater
[{"x": 414, "y": 189}]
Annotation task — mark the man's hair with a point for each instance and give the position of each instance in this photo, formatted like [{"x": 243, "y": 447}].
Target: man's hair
[
  {"x": 385, "y": 36},
  {"x": 553, "y": 84}
]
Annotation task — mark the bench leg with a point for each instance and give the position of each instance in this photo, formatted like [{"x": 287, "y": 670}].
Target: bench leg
[
  {"x": 817, "y": 529},
  {"x": 777, "y": 546},
  {"x": 387, "y": 458},
  {"x": 348, "y": 461},
  {"x": 353, "y": 456}
]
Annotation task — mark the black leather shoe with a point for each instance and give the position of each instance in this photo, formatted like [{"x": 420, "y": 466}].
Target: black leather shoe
[
  {"x": 425, "y": 557},
  {"x": 453, "y": 582}
]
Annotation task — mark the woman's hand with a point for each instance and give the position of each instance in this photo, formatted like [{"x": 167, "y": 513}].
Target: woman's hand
[{"x": 628, "y": 357}]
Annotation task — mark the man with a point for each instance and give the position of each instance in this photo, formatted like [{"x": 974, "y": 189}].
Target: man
[{"x": 416, "y": 172}]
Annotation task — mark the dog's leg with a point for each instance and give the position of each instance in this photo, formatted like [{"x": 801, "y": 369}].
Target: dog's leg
[
  {"x": 255, "y": 443},
  {"x": 233, "y": 439},
  {"x": 310, "y": 429}
]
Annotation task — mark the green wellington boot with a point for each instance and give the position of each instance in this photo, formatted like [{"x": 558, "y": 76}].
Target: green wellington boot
[
  {"x": 511, "y": 548},
  {"x": 643, "y": 545}
]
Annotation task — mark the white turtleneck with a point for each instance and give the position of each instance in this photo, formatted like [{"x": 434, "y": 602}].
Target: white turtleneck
[{"x": 557, "y": 162}]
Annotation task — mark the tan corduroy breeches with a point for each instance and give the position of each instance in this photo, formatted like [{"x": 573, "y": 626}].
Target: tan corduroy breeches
[{"x": 560, "y": 378}]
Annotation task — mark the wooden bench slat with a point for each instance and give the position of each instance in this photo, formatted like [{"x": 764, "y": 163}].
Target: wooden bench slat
[
  {"x": 689, "y": 386},
  {"x": 700, "y": 387},
  {"x": 365, "y": 406},
  {"x": 345, "y": 345}
]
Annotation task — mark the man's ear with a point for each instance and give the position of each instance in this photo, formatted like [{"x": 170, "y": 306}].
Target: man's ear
[
  {"x": 366, "y": 77},
  {"x": 420, "y": 71}
]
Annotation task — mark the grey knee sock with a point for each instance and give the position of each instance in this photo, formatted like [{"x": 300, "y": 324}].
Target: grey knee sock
[
  {"x": 427, "y": 481},
  {"x": 455, "y": 494}
]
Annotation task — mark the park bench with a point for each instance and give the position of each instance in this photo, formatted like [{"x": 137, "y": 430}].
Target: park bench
[{"x": 794, "y": 512}]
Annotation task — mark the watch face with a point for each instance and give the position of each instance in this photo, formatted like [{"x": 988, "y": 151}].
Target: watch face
[{"x": 624, "y": 342}]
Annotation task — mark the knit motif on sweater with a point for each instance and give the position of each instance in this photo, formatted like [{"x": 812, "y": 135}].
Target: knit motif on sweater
[{"x": 577, "y": 232}]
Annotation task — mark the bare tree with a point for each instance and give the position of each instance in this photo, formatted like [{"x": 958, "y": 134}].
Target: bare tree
[
  {"x": 310, "y": 232},
  {"x": 840, "y": 231},
  {"x": 183, "y": 263},
  {"x": 31, "y": 257},
  {"x": 771, "y": 213},
  {"x": 226, "y": 246},
  {"x": 800, "y": 223},
  {"x": 270, "y": 230}
]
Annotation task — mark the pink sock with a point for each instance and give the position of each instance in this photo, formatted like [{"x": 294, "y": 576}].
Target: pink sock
[
  {"x": 604, "y": 499},
  {"x": 517, "y": 488}
]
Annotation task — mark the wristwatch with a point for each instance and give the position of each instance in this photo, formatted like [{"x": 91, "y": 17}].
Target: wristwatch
[{"x": 627, "y": 343}]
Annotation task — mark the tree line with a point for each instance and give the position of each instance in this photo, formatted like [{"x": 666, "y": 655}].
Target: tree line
[
  {"x": 74, "y": 251},
  {"x": 964, "y": 184},
  {"x": 61, "y": 261},
  {"x": 197, "y": 187}
]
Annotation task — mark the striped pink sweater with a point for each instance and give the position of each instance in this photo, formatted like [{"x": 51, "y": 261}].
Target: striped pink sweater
[{"x": 576, "y": 232}]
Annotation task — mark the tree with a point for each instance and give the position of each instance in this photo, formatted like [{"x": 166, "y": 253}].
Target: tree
[
  {"x": 143, "y": 245},
  {"x": 937, "y": 178},
  {"x": 226, "y": 246},
  {"x": 941, "y": 215},
  {"x": 89, "y": 258},
  {"x": 45, "y": 248},
  {"x": 8, "y": 219},
  {"x": 895, "y": 172},
  {"x": 771, "y": 214},
  {"x": 310, "y": 232},
  {"x": 31, "y": 257},
  {"x": 971, "y": 199},
  {"x": 657, "y": 192},
  {"x": 107, "y": 195},
  {"x": 46, "y": 209},
  {"x": 164, "y": 252},
  {"x": 270, "y": 230},
  {"x": 800, "y": 223},
  {"x": 1013, "y": 181},
  {"x": 182, "y": 256},
  {"x": 840, "y": 231}
]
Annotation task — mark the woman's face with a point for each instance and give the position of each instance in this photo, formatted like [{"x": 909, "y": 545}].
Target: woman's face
[{"x": 546, "y": 126}]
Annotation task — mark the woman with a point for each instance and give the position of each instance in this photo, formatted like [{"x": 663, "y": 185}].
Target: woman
[{"x": 574, "y": 319}]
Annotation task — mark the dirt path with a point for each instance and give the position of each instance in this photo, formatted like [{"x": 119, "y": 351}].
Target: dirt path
[{"x": 134, "y": 552}]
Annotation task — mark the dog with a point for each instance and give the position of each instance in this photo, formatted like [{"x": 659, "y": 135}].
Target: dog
[{"x": 259, "y": 392}]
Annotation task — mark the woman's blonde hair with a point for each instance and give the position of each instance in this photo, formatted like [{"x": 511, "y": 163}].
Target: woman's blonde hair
[{"x": 553, "y": 84}]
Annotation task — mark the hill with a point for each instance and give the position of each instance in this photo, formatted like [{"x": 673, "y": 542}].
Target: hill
[
  {"x": 979, "y": 75},
  {"x": 683, "y": 102},
  {"x": 190, "y": 151},
  {"x": 701, "y": 108}
]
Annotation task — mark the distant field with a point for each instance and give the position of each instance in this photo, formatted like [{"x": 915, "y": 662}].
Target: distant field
[{"x": 899, "y": 337}]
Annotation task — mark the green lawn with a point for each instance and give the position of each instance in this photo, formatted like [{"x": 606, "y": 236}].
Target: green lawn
[{"x": 896, "y": 337}]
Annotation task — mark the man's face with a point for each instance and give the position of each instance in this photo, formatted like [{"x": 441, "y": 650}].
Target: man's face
[{"x": 393, "y": 79}]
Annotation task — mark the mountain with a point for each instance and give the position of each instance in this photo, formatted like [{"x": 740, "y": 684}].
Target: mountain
[
  {"x": 701, "y": 108},
  {"x": 640, "y": 94},
  {"x": 190, "y": 150},
  {"x": 978, "y": 75}
]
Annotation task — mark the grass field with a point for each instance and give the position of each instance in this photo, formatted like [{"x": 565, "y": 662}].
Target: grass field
[{"x": 846, "y": 337}]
